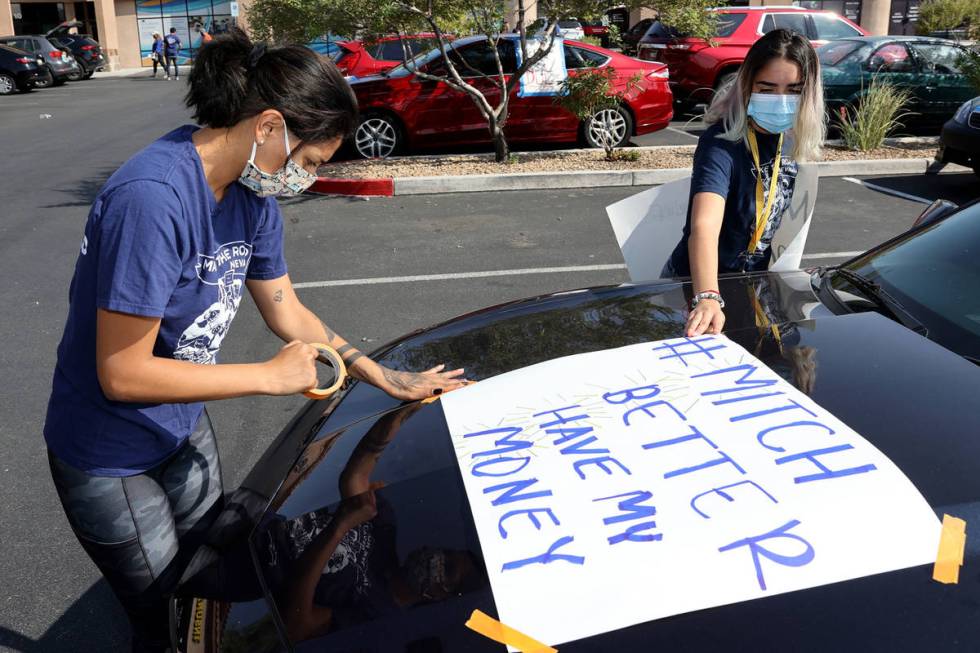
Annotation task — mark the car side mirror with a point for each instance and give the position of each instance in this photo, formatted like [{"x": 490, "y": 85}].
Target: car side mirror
[{"x": 936, "y": 211}]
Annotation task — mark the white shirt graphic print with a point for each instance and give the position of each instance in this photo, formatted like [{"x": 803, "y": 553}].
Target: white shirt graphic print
[{"x": 226, "y": 268}]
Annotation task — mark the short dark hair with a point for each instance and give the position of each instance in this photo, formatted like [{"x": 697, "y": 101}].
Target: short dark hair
[
  {"x": 173, "y": 30},
  {"x": 234, "y": 79}
]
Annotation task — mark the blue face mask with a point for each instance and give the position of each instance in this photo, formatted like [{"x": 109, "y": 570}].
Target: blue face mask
[{"x": 774, "y": 113}]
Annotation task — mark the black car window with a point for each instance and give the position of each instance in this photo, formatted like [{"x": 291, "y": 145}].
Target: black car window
[
  {"x": 891, "y": 58},
  {"x": 27, "y": 45},
  {"x": 394, "y": 50},
  {"x": 832, "y": 27},
  {"x": 477, "y": 59},
  {"x": 939, "y": 58},
  {"x": 794, "y": 22},
  {"x": 569, "y": 24},
  {"x": 581, "y": 58},
  {"x": 727, "y": 24},
  {"x": 660, "y": 31},
  {"x": 838, "y": 52},
  {"x": 641, "y": 27},
  {"x": 934, "y": 275}
]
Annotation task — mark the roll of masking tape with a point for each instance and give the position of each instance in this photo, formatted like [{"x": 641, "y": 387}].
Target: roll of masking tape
[{"x": 337, "y": 363}]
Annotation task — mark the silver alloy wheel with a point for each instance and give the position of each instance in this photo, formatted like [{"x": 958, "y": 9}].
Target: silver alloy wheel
[
  {"x": 607, "y": 126},
  {"x": 7, "y": 85},
  {"x": 376, "y": 138}
]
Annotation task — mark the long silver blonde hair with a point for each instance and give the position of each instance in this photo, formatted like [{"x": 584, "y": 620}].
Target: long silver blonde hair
[{"x": 729, "y": 107}]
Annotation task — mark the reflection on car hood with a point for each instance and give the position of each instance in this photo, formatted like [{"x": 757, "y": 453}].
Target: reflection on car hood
[{"x": 908, "y": 396}]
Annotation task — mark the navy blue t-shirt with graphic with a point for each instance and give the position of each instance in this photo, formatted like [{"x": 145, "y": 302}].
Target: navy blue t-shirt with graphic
[
  {"x": 172, "y": 44},
  {"x": 726, "y": 168},
  {"x": 156, "y": 244}
]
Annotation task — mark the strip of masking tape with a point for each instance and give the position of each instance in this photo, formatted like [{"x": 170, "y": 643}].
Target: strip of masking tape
[
  {"x": 952, "y": 546},
  {"x": 490, "y": 627}
]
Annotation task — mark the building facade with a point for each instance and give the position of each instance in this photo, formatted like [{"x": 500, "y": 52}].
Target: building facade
[{"x": 125, "y": 28}]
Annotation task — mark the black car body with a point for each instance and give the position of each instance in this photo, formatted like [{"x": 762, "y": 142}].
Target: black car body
[
  {"x": 632, "y": 36},
  {"x": 20, "y": 71},
  {"x": 59, "y": 63},
  {"x": 86, "y": 50},
  {"x": 960, "y": 139},
  {"x": 848, "y": 345}
]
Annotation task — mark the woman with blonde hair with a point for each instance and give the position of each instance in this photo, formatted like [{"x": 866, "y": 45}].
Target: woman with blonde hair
[
  {"x": 745, "y": 168},
  {"x": 156, "y": 53}
]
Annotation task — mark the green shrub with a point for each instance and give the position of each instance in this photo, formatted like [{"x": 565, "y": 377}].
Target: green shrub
[
  {"x": 627, "y": 155},
  {"x": 591, "y": 91},
  {"x": 970, "y": 65},
  {"x": 877, "y": 114},
  {"x": 592, "y": 40},
  {"x": 947, "y": 15}
]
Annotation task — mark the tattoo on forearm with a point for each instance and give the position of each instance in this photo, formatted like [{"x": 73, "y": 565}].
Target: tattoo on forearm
[
  {"x": 353, "y": 359},
  {"x": 331, "y": 336},
  {"x": 277, "y": 297},
  {"x": 344, "y": 349}
]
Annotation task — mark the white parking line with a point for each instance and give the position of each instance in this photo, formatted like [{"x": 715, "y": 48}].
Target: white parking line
[
  {"x": 888, "y": 191},
  {"x": 458, "y": 275},
  {"x": 832, "y": 255},
  {"x": 452, "y": 276},
  {"x": 686, "y": 133}
]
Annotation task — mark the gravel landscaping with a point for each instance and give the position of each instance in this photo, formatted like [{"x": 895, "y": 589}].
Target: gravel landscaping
[{"x": 572, "y": 161}]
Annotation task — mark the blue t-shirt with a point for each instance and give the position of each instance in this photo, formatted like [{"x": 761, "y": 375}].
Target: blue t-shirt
[
  {"x": 156, "y": 244},
  {"x": 726, "y": 168},
  {"x": 172, "y": 44}
]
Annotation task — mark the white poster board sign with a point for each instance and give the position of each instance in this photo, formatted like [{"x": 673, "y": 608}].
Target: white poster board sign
[
  {"x": 546, "y": 76},
  {"x": 648, "y": 225},
  {"x": 621, "y": 486}
]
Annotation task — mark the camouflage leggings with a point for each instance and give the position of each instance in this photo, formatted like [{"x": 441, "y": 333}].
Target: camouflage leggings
[{"x": 141, "y": 530}]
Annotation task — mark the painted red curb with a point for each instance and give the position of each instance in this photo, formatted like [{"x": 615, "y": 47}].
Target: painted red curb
[{"x": 375, "y": 187}]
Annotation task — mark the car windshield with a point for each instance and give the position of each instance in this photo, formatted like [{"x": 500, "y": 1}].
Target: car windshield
[
  {"x": 837, "y": 52},
  {"x": 935, "y": 275},
  {"x": 725, "y": 26},
  {"x": 569, "y": 24}
]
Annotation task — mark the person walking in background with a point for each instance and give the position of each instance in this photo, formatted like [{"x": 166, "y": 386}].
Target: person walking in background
[
  {"x": 171, "y": 49},
  {"x": 156, "y": 53}
]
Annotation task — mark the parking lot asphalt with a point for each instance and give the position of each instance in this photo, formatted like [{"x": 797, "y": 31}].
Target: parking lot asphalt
[{"x": 51, "y": 596}]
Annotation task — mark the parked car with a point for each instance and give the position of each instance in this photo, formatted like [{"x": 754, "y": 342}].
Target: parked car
[
  {"x": 699, "y": 69},
  {"x": 960, "y": 139},
  {"x": 20, "y": 71},
  {"x": 60, "y": 64},
  {"x": 400, "y": 110},
  {"x": 927, "y": 67},
  {"x": 631, "y": 37},
  {"x": 884, "y": 342},
  {"x": 363, "y": 59},
  {"x": 86, "y": 50},
  {"x": 568, "y": 28},
  {"x": 596, "y": 29}
]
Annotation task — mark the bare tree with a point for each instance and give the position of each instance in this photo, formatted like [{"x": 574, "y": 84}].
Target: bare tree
[{"x": 305, "y": 19}]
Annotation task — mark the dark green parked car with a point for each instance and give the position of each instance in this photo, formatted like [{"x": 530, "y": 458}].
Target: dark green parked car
[{"x": 926, "y": 66}]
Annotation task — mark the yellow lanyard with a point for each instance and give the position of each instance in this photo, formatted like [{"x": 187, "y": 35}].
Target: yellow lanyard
[
  {"x": 762, "y": 212},
  {"x": 762, "y": 320}
]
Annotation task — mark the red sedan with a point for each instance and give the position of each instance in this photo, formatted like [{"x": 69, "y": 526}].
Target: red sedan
[
  {"x": 401, "y": 111},
  {"x": 359, "y": 59}
]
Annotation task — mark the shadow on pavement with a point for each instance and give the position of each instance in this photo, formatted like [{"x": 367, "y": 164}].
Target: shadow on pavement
[
  {"x": 94, "y": 623},
  {"x": 960, "y": 188},
  {"x": 84, "y": 192}
]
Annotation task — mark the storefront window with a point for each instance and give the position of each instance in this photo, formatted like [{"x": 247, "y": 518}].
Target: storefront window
[{"x": 191, "y": 18}]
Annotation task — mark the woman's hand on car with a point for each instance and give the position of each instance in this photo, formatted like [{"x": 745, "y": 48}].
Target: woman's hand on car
[
  {"x": 409, "y": 386},
  {"x": 292, "y": 370},
  {"x": 707, "y": 317}
]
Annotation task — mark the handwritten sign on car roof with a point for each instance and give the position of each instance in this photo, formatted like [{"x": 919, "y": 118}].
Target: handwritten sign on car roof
[{"x": 621, "y": 486}]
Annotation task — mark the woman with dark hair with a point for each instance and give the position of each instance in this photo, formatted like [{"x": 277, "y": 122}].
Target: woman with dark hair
[
  {"x": 172, "y": 241},
  {"x": 745, "y": 167}
]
